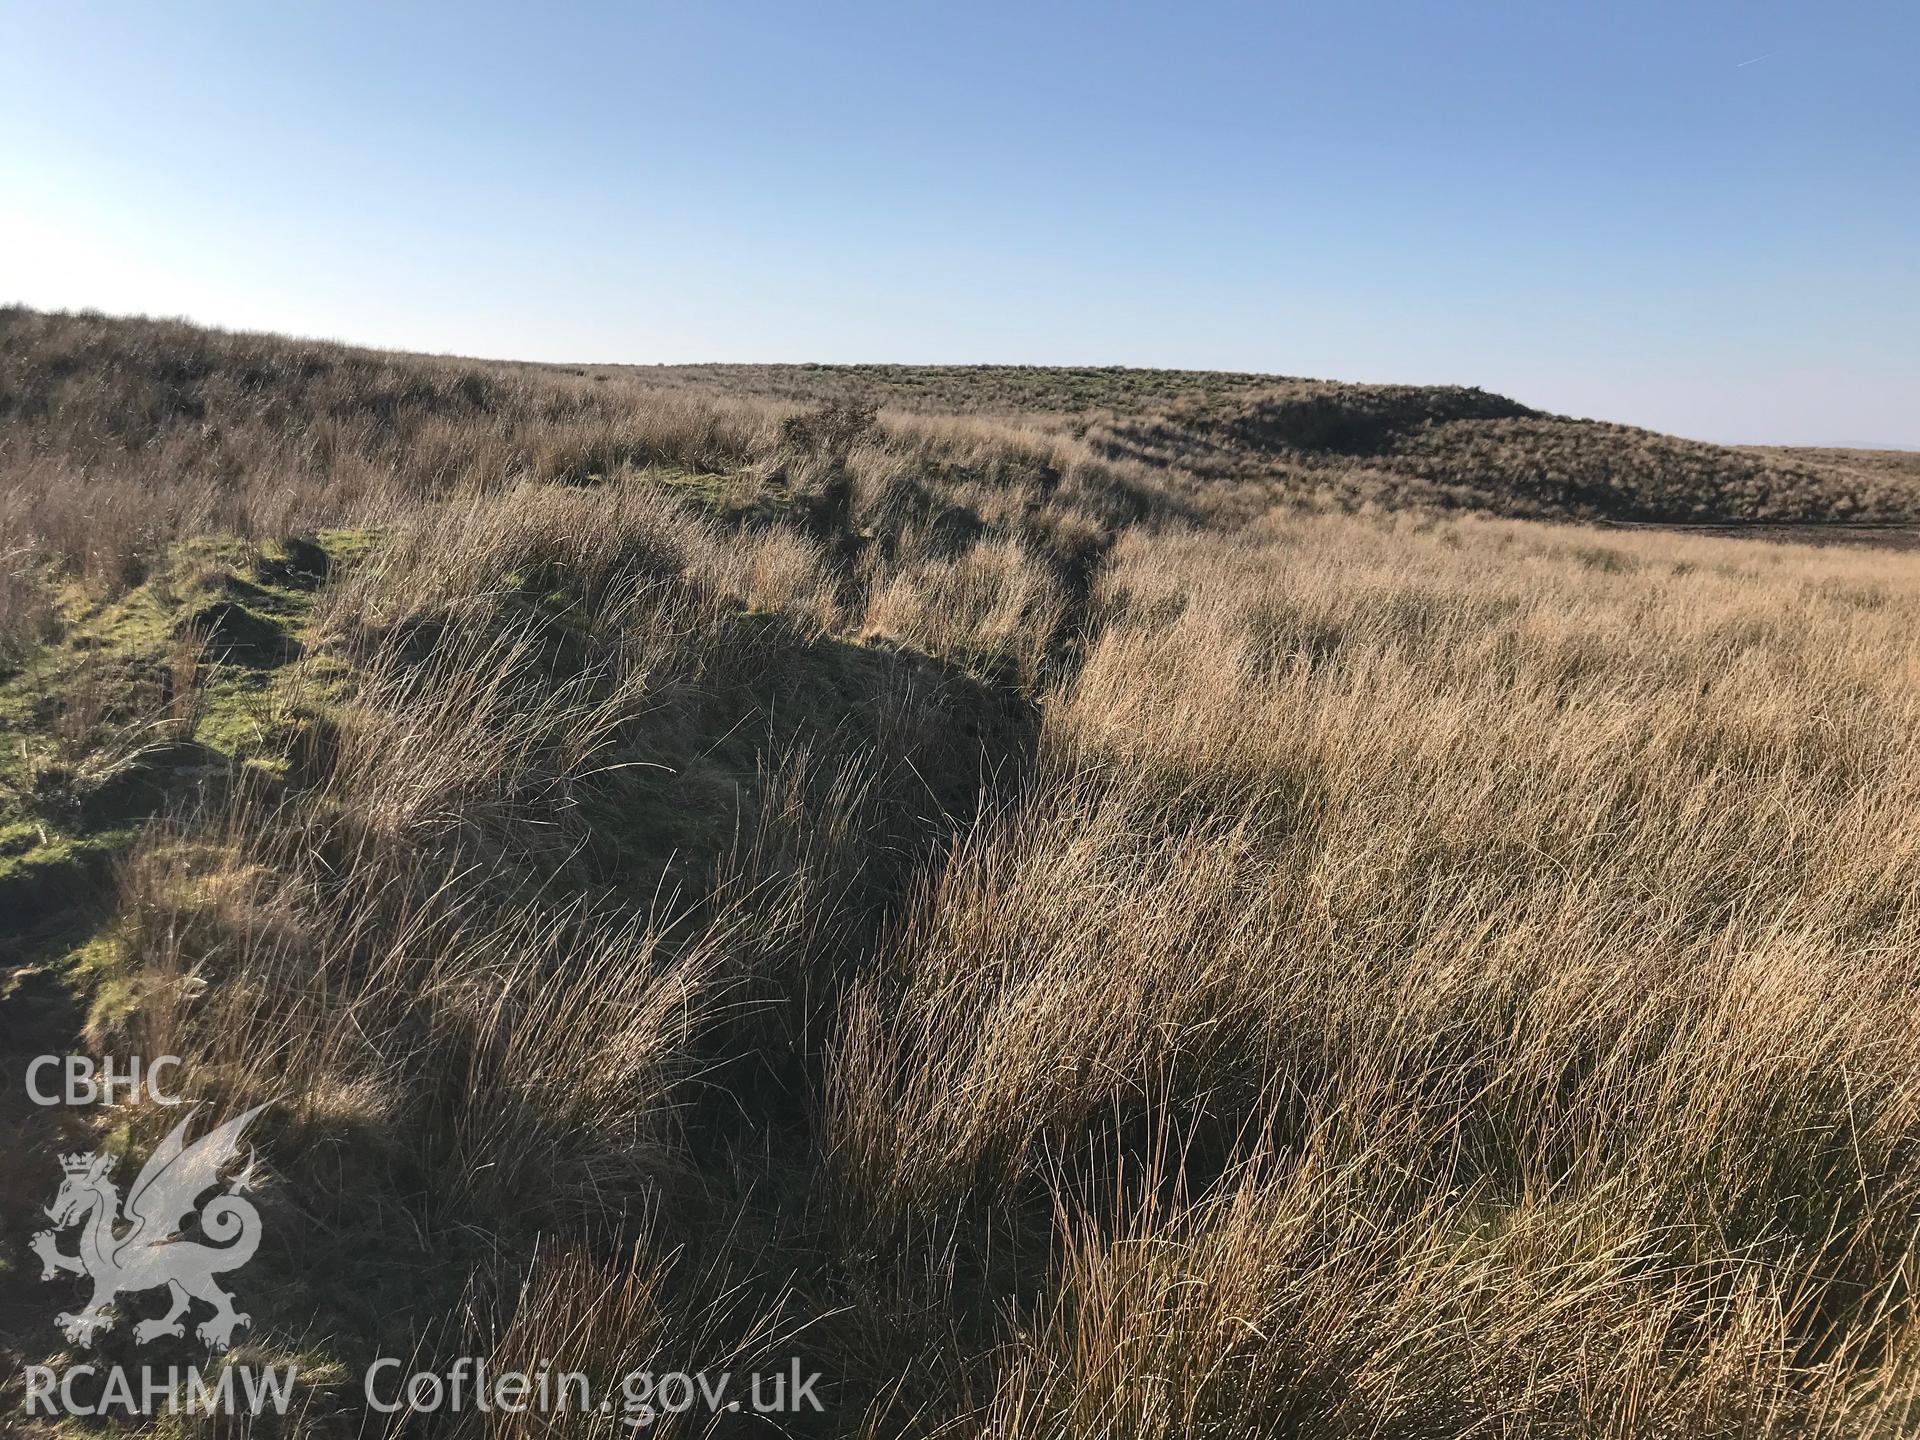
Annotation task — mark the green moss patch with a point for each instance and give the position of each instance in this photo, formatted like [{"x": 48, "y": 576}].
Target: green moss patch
[{"x": 144, "y": 701}]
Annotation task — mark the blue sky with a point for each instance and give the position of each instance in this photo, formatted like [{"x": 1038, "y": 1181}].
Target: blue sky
[{"x": 1701, "y": 217}]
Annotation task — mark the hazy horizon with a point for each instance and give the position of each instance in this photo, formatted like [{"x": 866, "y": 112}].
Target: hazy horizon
[{"x": 1701, "y": 224}]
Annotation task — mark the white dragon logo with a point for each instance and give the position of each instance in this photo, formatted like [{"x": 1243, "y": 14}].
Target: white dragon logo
[{"x": 151, "y": 1252}]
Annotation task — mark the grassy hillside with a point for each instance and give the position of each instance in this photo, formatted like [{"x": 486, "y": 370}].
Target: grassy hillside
[
  {"x": 967, "y": 389},
  {"x": 1098, "y": 922},
  {"x": 1398, "y": 446}
]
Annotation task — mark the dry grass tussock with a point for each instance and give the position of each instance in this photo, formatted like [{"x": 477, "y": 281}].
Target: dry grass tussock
[
  {"x": 1060, "y": 956},
  {"x": 1466, "y": 972}
]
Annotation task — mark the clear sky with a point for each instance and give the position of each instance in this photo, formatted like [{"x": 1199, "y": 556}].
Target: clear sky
[{"x": 1702, "y": 217}]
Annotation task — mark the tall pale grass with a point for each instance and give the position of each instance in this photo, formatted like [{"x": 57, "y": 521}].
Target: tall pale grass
[
  {"x": 1457, "y": 979},
  {"x": 1074, "y": 952}
]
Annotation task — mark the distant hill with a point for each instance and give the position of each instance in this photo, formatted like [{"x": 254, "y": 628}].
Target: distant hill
[
  {"x": 90, "y": 390},
  {"x": 1377, "y": 445}
]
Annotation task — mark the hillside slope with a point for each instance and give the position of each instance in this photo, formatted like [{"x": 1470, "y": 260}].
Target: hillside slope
[
  {"x": 85, "y": 389},
  {"x": 1393, "y": 446},
  {"x": 1044, "y": 921}
]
